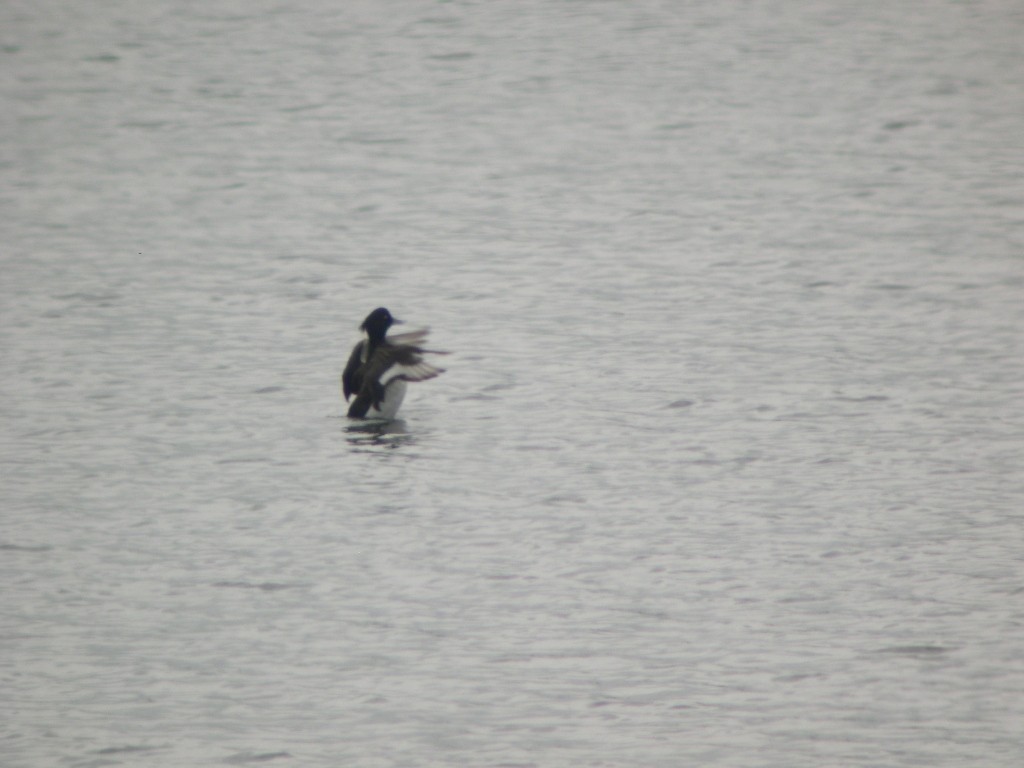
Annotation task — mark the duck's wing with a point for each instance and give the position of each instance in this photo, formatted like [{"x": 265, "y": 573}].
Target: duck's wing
[
  {"x": 409, "y": 338},
  {"x": 414, "y": 340},
  {"x": 401, "y": 360},
  {"x": 390, "y": 362},
  {"x": 351, "y": 377}
]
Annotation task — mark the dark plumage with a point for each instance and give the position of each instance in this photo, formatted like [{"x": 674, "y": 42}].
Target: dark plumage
[{"x": 380, "y": 366}]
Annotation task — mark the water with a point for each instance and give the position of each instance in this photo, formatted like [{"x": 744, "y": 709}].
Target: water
[{"x": 726, "y": 466}]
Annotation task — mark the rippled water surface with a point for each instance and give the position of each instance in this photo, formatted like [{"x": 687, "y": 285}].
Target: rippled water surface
[{"x": 726, "y": 466}]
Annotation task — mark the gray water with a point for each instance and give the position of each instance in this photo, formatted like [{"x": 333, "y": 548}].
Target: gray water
[{"x": 726, "y": 468}]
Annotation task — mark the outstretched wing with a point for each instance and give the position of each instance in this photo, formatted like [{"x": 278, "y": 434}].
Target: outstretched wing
[{"x": 391, "y": 361}]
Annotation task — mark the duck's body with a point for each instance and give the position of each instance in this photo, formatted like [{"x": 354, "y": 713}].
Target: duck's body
[{"x": 380, "y": 367}]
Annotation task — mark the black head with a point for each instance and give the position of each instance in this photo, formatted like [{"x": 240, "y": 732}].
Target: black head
[{"x": 377, "y": 323}]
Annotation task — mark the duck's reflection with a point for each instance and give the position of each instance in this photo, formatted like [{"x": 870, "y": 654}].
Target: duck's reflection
[{"x": 376, "y": 433}]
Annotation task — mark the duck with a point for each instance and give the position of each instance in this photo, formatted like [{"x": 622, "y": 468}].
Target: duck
[{"x": 380, "y": 367}]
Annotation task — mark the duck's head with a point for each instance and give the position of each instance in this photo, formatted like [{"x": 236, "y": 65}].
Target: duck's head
[{"x": 377, "y": 323}]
